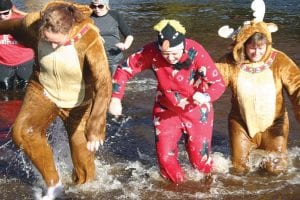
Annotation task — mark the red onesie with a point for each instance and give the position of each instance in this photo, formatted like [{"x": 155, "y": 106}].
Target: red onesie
[{"x": 175, "y": 111}]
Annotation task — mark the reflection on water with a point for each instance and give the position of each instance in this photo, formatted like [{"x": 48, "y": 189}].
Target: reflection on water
[
  {"x": 202, "y": 19},
  {"x": 126, "y": 165}
]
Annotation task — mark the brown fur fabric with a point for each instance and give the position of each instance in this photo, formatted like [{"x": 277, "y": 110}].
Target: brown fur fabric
[
  {"x": 83, "y": 123},
  {"x": 284, "y": 75}
]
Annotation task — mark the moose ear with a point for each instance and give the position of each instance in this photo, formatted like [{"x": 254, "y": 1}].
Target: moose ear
[
  {"x": 225, "y": 32},
  {"x": 272, "y": 27}
]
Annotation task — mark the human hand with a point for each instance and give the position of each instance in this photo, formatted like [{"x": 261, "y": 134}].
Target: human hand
[
  {"x": 121, "y": 46},
  {"x": 201, "y": 98},
  {"x": 115, "y": 107}
]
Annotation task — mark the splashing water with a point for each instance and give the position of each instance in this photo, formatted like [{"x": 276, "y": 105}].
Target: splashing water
[
  {"x": 126, "y": 168},
  {"x": 126, "y": 165}
]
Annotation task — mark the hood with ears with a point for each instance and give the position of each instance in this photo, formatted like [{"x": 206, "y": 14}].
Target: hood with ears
[
  {"x": 246, "y": 31},
  {"x": 85, "y": 10},
  {"x": 242, "y": 34}
]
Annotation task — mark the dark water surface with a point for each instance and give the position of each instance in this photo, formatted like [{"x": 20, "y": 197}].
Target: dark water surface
[{"x": 126, "y": 165}]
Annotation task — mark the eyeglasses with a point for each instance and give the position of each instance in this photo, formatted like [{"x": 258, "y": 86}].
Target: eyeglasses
[
  {"x": 93, "y": 6},
  {"x": 5, "y": 12}
]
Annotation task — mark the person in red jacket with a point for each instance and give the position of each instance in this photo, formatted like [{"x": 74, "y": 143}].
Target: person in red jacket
[
  {"x": 188, "y": 83},
  {"x": 16, "y": 61}
]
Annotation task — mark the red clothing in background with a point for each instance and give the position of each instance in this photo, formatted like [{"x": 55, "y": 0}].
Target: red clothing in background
[{"x": 11, "y": 52}]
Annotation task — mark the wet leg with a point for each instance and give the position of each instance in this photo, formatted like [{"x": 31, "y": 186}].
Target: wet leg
[
  {"x": 274, "y": 141},
  {"x": 241, "y": 146},
  {"x": 29, "y": 132},
  {"x": 198, "y": 124},
  {"x": 168, "y": 133},
  {"x": 83, "y": 160}
]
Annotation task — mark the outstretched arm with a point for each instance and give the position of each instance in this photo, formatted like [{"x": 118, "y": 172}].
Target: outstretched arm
[
  {"x": 102, "y": 86},
  {"x": 126, "y": 32},
  {"x": 223, "y": 65},
  {"x": 23, "y": 30},
  {"x": 210, "y": 84}
]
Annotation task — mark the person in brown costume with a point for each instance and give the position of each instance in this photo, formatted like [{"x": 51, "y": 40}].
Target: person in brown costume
[
  {"x": 257, "y": 75},
  {"x": 71, "y": 80}
]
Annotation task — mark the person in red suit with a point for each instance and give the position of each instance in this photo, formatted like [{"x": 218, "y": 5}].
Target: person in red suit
[{"x": 188, "y": 83}]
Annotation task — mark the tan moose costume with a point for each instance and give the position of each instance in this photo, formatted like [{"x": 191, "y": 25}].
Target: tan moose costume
[
  {"x": 258, "y": 117},
  {"x": 72, "y": 82}
]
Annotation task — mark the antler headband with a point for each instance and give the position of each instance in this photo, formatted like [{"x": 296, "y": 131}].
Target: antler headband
[{"x": 258, "y": 7}]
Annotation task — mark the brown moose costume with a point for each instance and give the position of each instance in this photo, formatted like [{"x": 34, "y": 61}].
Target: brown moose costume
[
  {"x": 73, "y": 82},
  {"x": 258, "y": 117}
]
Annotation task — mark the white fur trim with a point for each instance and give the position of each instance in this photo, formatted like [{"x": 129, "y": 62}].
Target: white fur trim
[{"x": 53, "y": 192}]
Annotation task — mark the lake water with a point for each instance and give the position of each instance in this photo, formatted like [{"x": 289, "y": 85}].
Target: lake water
[{"x": 126, "y": 165}]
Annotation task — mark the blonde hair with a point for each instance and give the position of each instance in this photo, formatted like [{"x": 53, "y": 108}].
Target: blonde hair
[{"x": 174, "y": 23}]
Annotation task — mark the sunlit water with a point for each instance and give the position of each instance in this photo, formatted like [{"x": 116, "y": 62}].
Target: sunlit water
[{"x": 126, "y": 164}]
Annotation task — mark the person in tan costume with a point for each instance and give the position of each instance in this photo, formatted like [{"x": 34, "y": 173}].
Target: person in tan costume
[
  {"x": 257, "y": 75},
  {"x": 71, "y": 80}
]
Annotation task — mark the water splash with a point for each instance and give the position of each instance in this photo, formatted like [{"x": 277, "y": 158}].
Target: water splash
[
  {"x": 15, "y": 159},
  {"x": 121, "y": 178}
]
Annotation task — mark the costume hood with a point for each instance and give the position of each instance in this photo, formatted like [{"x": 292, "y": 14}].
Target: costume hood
[
  {"x": 85, "y": 9},
  {"x": 243, "y": 33},
  {"x": 170, "y": 35}
]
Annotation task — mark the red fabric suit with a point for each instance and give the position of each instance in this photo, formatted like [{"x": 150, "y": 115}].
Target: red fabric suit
[{"x": 175, "y": 111}]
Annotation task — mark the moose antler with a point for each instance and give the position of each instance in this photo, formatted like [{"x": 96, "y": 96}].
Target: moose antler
[
  {"x": 259, "y": 8},
  {"x": 226, "y": 32}
]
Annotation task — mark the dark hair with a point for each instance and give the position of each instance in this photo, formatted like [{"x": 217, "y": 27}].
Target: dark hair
[
  {"x": 60, "y": 18},
  {"x": 5, "y": 5}
]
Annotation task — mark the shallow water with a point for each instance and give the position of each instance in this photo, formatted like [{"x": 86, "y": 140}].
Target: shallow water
[{"x": 126, "y": 165}]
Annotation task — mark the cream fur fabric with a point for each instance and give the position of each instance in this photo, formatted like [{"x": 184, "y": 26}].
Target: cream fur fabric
[
  {"x": 257, "y": 104},
  {"x": 69, "y": 91}
]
